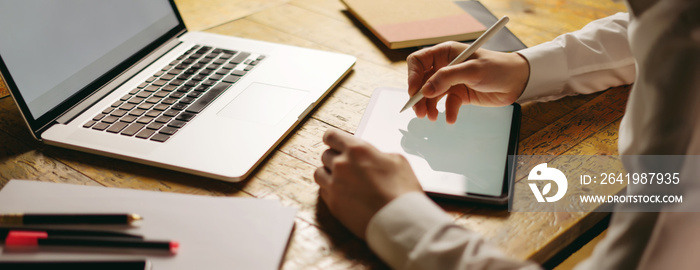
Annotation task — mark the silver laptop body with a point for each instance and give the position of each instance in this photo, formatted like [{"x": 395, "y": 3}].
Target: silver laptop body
[{"x": 249, "y": 107}]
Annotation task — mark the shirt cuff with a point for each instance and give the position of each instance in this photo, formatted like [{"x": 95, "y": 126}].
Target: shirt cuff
[
  {"x": 396, "y": 228},
  {"x": 548, "y": 72}
]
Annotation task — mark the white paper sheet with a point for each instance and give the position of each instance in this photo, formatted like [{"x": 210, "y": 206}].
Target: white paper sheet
[{"x": 214, "y": 232}]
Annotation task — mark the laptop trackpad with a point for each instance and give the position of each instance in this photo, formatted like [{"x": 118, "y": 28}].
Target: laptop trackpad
[{"x": 263, "y": 103}]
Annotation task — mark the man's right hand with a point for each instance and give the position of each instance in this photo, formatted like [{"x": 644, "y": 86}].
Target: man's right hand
[{"x": 487, "y": 78}]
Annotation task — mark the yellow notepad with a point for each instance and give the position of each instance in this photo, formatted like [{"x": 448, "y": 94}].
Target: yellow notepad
[{"x": 410, "y": 23}]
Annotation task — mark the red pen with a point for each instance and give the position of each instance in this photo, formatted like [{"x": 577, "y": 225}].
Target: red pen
[{"x": 19, "y": 239}]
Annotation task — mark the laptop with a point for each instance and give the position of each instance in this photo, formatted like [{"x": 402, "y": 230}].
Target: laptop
[{"x": 125, "y": 79}]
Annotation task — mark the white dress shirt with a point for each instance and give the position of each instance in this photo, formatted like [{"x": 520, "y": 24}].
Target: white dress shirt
[{"x": 412, "y": 232}]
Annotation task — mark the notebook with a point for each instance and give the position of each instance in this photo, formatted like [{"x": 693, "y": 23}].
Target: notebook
[
  {"x": 410, "y": 23},
  {"x": 127, "y": 80}
]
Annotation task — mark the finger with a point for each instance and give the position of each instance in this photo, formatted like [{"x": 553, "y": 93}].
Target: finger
[
  {"x": 327, "y": 158},
  {"x": 417, "y": 69},
  {"x": 423, "y": 63},
  {"x": 432, "y": 108},
  {"x": 421, "y": 108},
  {"x": 337, "y": 140},
  {"x": 443, "y": 79},
  {"x": 322, "y": 177},
  {"x": 452, "y": 105}
]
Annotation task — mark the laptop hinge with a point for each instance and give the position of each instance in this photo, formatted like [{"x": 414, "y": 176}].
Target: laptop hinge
[{"x": 110, "y": 86}]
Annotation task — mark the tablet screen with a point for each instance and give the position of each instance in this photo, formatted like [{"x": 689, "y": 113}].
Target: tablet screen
[{"x": 467, "y": 158}]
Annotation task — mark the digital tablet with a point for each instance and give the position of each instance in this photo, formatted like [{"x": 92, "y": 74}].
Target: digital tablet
[{"x": 466, "y": 161}]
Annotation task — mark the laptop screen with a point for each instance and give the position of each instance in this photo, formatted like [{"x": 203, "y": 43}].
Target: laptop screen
[{"x": 55, "y": 48}]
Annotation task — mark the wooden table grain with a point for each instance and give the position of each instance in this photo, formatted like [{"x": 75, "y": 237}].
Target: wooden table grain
[{"x": 573, "y": 125}]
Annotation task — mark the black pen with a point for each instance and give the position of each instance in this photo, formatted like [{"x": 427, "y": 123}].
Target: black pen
[
  {"x": 69, "y": 232},
  {"x": 142, "y": 264},
  {"x": 33, "y": 239},
  {"x": 66, "y": 219}
]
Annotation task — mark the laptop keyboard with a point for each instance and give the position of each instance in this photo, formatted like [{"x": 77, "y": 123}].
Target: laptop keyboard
[{"x": 167, "y": 101}]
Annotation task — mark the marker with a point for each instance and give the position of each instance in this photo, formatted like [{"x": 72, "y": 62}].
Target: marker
[
  {"x": 464, "y": 55},
  {"x": 4, "y": 231},
  {"x": 33, "y": 239},
  {"x": 68, "y": 219}
]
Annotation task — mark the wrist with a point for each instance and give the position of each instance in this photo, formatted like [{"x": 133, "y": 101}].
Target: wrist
[{"x": 522, "y": 73}]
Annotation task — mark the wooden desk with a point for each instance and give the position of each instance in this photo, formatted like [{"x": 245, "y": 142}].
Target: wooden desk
[{"x": 574, "y": 125}]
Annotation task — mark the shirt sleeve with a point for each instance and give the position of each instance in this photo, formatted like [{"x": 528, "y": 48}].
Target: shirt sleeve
[
  {"x": 592, "y": 59},
  {"x": 412, "y": 232}
]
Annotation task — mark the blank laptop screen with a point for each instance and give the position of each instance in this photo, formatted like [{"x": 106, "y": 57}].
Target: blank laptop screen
[{"x": 54, "y": 48}]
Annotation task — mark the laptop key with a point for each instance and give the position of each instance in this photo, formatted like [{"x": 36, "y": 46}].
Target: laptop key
[
  {"x": 232, "y": 78},
  {"x": 161, "y": 94},
  {"x": 177, "y": 124},
  {"x": 168, "y": 130},
  {"x": 179, "y": 106},
  {"x": 117, "y": 127},
  {"x": 128, "y": 119},
  {"x": 238, "y": 72},
  {"x": 185, "y": 116},
  {"x": 161, "y": 107},
  {"x": 110, "y": 119},
  {"x": 177, "y": 94},
  {"x": 153, "y": 100},
  {"x": 151, "y": 88},
  {"x": 137, "y": 112},
  {"x": 153, "y": 113},
  {"x": 144, "y": 94},
  {"x": 132, "y": 129},
  {"x": 127, "y": 107},
  {"x": 194, "y": 94},
  {"x": 171, "y": 87},
  {"x": 240, "y": 57},
  {"x": 144, "y": 120},
  {"x": 207, "y": 98},
  {"x": 100, "y": 126},
  {"x": 188, "y": 99},
  {"x": 164, "y": 119},
  {"x": 169, "y": 101},
  {"x": 160, "y": 137},
  {"x": 119, "y": 113},
  {"x": 155, "y": 126},
  {"x": 202, "y": 88},
  {"x": 89, "y": 124},
  {"x": 99, "y": 117},
  {"x": 144, "y": 134},
  {"x": 135, "y": 100},
  {"x": 171, "y": 113}
]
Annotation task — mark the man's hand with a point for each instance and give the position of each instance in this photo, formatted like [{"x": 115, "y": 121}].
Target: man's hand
[
  {"x": 487, "y": 78},
  {"x": 356, "y": 179}
]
